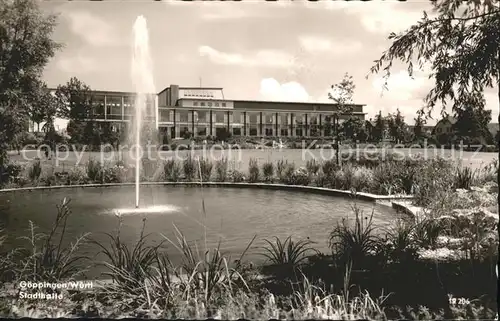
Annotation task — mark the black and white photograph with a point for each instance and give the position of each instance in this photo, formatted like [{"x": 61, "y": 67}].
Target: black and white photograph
[{"x": 230, "y": 160}]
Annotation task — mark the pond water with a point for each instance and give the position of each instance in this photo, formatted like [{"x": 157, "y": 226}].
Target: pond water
[{"x": 233, "y": 215}]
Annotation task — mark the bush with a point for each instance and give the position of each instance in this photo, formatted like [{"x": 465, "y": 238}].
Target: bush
[
  {"x": 356, "y": 243},
  {"x": 94, "y": 170},
  {"x": 221, "y": 169},
  {"x": 253, "y": 171},
  {"x": 329, "y": 167},
  {"x": 35, "y": 171},
  {"x": 296, "y": 177},
  {"x": 77, "y": 176},
  {"x": 189, "y": 168},
  {"x": 280, "y": 168},
  {"x": 312, "y": 166},
  {"x": 435, "y": 175},
  {"x": 268, "y": 171},
  {"x": 236, "y": 176},
  {"x": 171, "y": 170},
  {"x": 464, "y": 177},
  {"x": 205, "y": 169}
]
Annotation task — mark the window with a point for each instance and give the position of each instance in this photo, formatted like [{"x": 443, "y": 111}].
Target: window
[
  {"x": 284, "y": 119},
  {"x": 219, "y": 116},
  {"x": 253, "y": 131},
  {"x": 195, "y": 103},
  {"x": 183, "y": 116},
  {"x": 223, "y": 104},
  {"x": 237, "y": 117},
  {"x": 298, "y": 132},
  {"x": 216, "y": 104},
  {"x": 209, "y": 104},
  {"x": 269, "y": 132},
  {"x": 202, "y": 103},
  {"x": 165, "y": 115},
  {"x": 284, "y": 132},
  {"x": 200, "y": 116},
  {"x": 253, "y": 118},
  {"x": 237, "y": 131},
  {"x": 268, "y": 118}
]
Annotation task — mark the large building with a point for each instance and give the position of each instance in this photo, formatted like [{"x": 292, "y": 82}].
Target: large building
[{"x": 204, "y": 111}]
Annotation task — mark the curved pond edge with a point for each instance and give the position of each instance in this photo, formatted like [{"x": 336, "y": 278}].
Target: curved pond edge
[{"x": 297, "y": 188}]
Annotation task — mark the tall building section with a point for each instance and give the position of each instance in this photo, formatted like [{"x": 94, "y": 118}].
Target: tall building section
[{"x": 204, "y": 111}]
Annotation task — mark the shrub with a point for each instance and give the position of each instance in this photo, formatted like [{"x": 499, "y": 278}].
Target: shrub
[
  {"x": 253, "y": 171},
  {"x": 313, "y": 166},
  {"x": 355, "y": 243},
  {"x": 149, "y": 168},
  {"x": 94, "y": 170},
  {"x": 77, "y": 176},
  {"x": 296, "y": 177},
  {"x": 464, "y": 177},
  {"x": 399, "y": 245},
  {"x": 268, "y": 171},
  {"x": 280, "y": 168},
  {"x": 205, "y": 169},
  {"x": 426, "y": 233},
  {"x": 288, "y": 255},
  {"x": 434, "y": 175},
  {"x": 329, "y": 167},
  {"x": 35, "y": 171},
  {"x": 171, "y": 170},
  {"x": 236, "y": 176},
  {"x": 221, "y": 170},
  {"x": 189, "y": 168},
  {"x": 362, "y": 179}
]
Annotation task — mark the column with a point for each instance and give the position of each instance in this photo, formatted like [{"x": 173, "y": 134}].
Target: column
[
  {"x": 192, "y": 123},
  {"x": 244, "y": 123},
  {"x": 291, "y": 127},
  {"x": 211, "y": 123},
  {"x": 260, "y": 124}
]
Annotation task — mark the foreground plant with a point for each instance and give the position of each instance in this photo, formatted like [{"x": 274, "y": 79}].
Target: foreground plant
[
  {"x": 355, "y": 242},
  {"x": 288, "y": 254},
  {"x": 50, "y": 258}
]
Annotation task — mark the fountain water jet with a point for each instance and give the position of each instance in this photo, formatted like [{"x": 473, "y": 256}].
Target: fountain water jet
[{"x": 142, "y": 77}]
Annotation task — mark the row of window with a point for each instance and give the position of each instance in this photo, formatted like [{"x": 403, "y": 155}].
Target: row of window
[
  {"x": 203, "y": 131},
  {"x": 252, "y": 117},
  {"x": 209, "y": 104}
]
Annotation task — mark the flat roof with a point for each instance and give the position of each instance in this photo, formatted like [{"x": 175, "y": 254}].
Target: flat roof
[{"x": 290, "y": 102}]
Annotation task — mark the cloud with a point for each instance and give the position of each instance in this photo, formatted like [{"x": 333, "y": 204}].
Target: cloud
[
  {"x": 271, "y": 89},
  {"x": 321, "y": 44},
  {"x": 94, "y": 30},
  {"x": 77, "y": 64},
  {"x": 263, "y": 58}
]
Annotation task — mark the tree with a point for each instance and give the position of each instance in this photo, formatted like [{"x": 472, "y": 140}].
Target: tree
[
  {"x": 76, "y": 105},
  {"x": 462, "y": 46},
  {"x": 352, "y": 127},
  {"x": 341, "y": 94},
  {"x": 43, "y": 105},
  {"x": 472, "y": 122},
  {"x": 378, "y": 130},
  {"x": 25, "y": 49},
  {"x": 396, "y": 125},
  {"x": 418, "y": 130}
]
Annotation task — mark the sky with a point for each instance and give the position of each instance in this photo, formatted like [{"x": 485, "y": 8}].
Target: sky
[{"x": 284, "y": 51}]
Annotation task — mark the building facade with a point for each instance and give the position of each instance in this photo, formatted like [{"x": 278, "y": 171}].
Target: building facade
[{"x": 198, "y": 111}]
